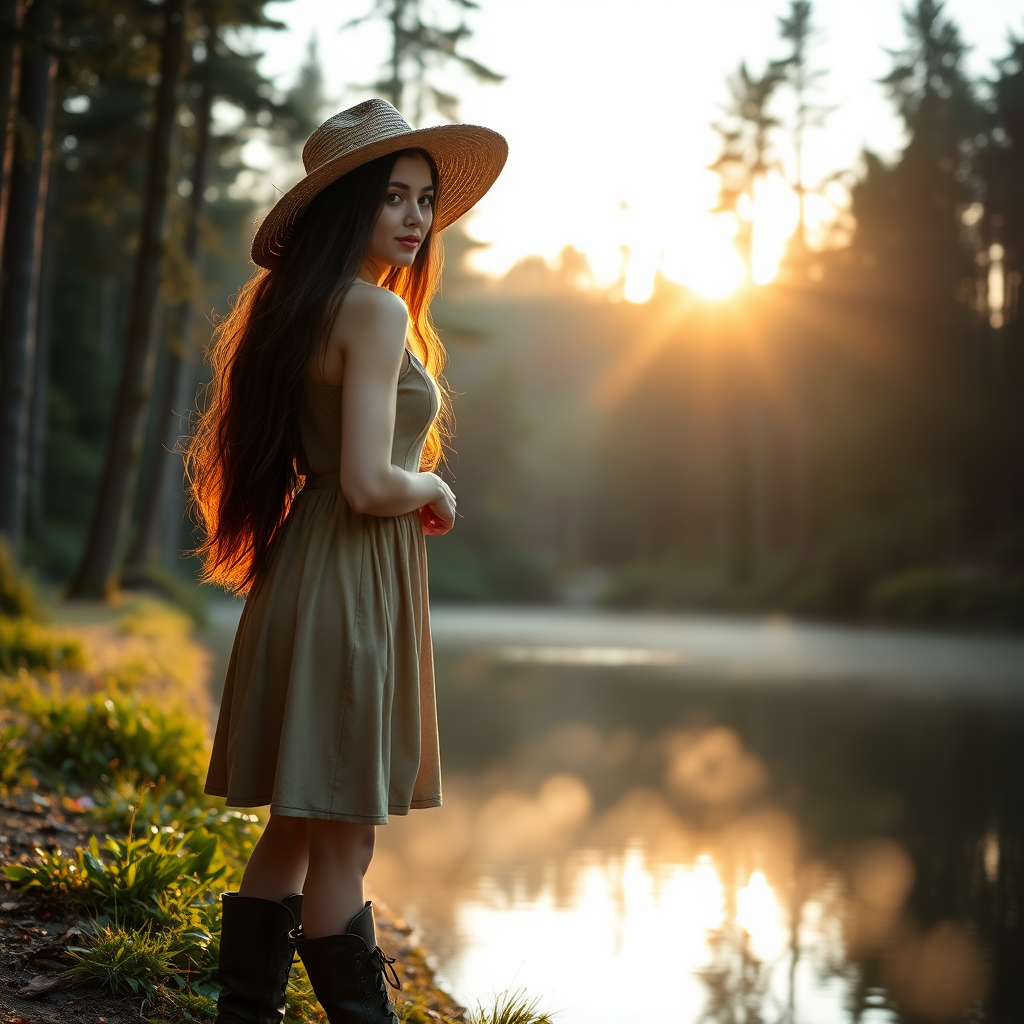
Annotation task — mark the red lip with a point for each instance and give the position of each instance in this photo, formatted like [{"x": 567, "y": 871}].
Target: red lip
[{"x": 408, "y": 240}]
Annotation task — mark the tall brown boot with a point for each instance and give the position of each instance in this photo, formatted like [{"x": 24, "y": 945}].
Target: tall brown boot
[
  {"x": 350, "y": 973},
  {"x": 255, "y": 958}
]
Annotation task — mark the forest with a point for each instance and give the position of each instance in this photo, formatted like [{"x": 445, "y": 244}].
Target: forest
[{"x": 843, "y": 441}]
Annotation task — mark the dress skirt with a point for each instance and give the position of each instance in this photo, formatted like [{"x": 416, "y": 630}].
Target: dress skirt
[{"x": 329, "y": 708}]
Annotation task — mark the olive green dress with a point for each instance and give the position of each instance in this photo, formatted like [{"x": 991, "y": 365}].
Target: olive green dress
[{"x": 328, "y": 708}]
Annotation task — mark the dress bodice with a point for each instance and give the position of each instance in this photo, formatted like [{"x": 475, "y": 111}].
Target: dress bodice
[{"x": 320, "y": 422}]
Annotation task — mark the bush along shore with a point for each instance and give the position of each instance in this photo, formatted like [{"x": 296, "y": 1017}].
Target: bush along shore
[{"x": 112, "y": 859}]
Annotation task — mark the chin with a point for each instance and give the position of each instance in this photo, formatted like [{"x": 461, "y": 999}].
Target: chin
[{"x": 404, "y": 258}]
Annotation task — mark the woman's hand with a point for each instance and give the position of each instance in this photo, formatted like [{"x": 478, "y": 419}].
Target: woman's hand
[{"x": 438, "y": 517}]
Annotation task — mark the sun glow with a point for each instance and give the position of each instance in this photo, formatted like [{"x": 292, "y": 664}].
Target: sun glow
[
  {"x": 704, "y": 256},
  {"x": 709, "y": 262}
]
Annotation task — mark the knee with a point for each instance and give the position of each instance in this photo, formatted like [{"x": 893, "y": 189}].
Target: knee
[
  {"x": 342, "y": 841},
  {"x": 291, "y": 832}
]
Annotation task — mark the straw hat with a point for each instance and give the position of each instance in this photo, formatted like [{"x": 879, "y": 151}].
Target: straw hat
[{"x": 469, "y": 159}]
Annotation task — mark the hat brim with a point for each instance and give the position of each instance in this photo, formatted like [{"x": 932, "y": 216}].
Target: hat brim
[{"x": 469, "y": 159}]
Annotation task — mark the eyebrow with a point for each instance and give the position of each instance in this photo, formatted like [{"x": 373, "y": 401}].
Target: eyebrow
[{"x": 402, "y": 184}]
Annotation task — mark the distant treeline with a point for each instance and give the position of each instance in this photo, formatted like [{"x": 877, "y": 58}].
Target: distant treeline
[{"x": 845, "y": 441}]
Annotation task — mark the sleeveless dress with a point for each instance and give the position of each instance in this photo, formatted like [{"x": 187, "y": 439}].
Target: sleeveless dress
[{"x": 328, "y": 708}]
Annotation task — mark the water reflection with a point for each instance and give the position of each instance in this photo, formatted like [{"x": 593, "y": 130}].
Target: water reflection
[{"x": 629, "y": 845}]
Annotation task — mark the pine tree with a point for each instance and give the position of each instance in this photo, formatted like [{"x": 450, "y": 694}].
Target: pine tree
[
  {"x": 96, "y": 573},
  {"x": 218, "y": 70},
  {"x": 419, "y": 45},
  {"x": 22, "y": 259}
]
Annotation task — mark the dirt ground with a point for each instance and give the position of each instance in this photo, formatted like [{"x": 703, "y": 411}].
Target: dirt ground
[{"x": 34, "y": 932}]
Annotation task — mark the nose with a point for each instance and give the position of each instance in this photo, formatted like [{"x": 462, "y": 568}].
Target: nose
[{"x": 415, "y": 215}]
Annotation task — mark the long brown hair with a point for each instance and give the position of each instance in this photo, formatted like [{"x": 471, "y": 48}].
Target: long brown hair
[{"x": 241, "y": 457}]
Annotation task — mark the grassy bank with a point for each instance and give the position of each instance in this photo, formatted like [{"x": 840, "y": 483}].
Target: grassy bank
[{"x": 113, "y": 860}]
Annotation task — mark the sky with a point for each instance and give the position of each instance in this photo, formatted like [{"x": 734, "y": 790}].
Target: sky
[{"x": 607, "y": 106}]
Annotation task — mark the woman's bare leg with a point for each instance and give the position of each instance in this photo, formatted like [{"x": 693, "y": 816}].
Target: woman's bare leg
[
  {"x": 339, "y": 855},
  {"x": 277, "y": 866}
]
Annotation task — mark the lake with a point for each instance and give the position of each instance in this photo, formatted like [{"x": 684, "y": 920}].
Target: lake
[{"x": 694, "y": 819}]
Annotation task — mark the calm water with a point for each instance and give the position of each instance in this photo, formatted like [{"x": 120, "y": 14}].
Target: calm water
[{"x": 691, "y": 820}]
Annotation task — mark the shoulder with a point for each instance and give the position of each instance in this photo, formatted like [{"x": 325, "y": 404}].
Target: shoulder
[
  {"x": 375, "y": 309},
  {"x": 370, "y": 327}
]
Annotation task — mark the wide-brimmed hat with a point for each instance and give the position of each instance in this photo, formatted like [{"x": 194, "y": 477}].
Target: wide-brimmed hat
[{"x": 469, "y": 159}]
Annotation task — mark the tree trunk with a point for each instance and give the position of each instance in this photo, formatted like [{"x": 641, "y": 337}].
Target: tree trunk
[
  {"x": 97, "y": 573},
  {"x": 22, "y": 252},
  {"x": 10, "y": 60},
  {"x": 41, "y": 370},
  {"x": 163, "y": 496}
]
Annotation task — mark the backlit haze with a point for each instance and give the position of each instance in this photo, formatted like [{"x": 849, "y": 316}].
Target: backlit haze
[{"x": 608, "y": 106}]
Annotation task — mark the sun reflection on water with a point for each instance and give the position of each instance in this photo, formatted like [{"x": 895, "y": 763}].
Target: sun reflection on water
[
  {"x": 621, "y": 917},
  {"x": 702, "y": 883}
]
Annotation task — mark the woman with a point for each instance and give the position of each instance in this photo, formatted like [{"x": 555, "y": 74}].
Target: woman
[{"x": 311, "y": 470}]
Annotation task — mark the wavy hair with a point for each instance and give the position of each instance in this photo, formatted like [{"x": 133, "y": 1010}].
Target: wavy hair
[{"x": 241, "y": 458}]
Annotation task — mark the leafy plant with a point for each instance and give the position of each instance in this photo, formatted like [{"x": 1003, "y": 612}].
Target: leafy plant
[
  {"x": 164, "y": 806},
  {"x": 160, "y": 879},
  {"x": 81, "y": 739},
  {"x": 25, "y": 644}
]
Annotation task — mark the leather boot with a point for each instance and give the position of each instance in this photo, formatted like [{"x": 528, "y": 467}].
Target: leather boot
[
  {"x": 348, "y": 973},
  {"x": 256, "y": 955}
]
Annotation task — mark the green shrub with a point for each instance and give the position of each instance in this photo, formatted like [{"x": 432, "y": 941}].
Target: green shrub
[
  {"x": 30, "y": 645},
  {"x": 78, "y": 739},
  {"x": 17, "y": 595},
  {"x": 487, "y": 561},
  {"x": 12, "y": 757},
  {"x": 928, "y": 597},
  {"x": 672, "y": 582},
  {"x": 158, "y": 880}
]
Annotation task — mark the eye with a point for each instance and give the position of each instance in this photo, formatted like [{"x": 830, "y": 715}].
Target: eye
[
  {"x": 426, "y": 200},
  {"x": 394, "y": 197}
]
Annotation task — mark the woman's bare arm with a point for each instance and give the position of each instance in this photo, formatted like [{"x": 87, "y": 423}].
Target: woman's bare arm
[{"x": 370, "y": 333}]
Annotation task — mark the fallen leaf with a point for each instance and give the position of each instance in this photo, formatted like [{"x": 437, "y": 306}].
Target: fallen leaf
[
  {"x": 38, "y": 986},
  {"x": 9, "y": 905}
]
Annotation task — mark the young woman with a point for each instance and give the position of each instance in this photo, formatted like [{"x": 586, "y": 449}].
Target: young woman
[{"x": 311, "y": 470}]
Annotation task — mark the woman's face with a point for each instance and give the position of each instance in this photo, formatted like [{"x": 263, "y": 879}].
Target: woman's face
[{"x": 406, "y": 216}]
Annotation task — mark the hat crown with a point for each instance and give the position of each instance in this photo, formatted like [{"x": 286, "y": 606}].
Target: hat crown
[{"x": 367, "y": 122}]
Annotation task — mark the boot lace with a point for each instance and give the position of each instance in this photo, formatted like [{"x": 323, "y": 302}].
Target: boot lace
[{"x": 383, "y": 965}]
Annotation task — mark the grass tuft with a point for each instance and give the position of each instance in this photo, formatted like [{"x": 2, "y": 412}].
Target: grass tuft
[
  {"x": 121, "y": 962},
  {"x": 510, "y": 1008}
]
